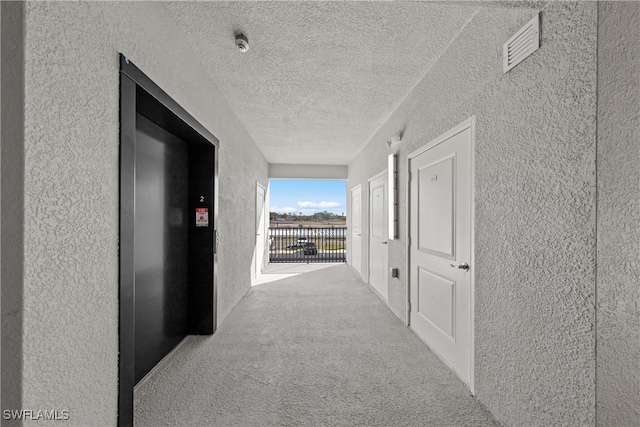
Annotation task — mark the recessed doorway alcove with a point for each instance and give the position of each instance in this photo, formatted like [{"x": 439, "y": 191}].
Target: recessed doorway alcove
[{"x": 168, "y": 229}]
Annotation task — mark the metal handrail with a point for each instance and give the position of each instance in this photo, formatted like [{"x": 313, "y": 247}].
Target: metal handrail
[{"x": 307, "y": 244}]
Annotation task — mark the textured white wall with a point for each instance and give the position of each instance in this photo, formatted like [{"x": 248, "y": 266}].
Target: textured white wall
[
  {"x": 71, "y": 191},
  {"x": 535, "y": 205},
  {"x": 308, "y": 171},
  {"x": 618, "y": 285}
]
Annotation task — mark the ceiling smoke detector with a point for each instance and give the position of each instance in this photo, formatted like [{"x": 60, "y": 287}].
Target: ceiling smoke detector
[{"x": 242, "y": 43}]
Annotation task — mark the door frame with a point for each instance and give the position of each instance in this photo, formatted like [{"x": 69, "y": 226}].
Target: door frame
[
  {"x": 258, "y": 268},
  {"x": 470, "y": 123},
  {"x": 351, "y": 230},
  {"x": 369, "y": 181}
]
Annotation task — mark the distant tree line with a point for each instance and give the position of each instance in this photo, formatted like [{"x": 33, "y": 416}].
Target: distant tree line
[{"x": 316, "y": 217}]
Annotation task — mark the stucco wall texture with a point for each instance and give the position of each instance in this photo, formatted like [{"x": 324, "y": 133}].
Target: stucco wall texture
[
  {"x": 534, "y": 205},
  {"x": 618, "y": 274},
  {"x": 71, "y": 191}
]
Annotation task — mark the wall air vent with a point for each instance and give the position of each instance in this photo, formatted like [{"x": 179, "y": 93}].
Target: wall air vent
[{"x": 522, "y": 44}]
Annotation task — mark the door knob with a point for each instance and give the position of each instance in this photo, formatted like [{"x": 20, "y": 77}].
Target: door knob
[
  {"x": 384, "y": 243},
  {"x": 463, "y": 266}
]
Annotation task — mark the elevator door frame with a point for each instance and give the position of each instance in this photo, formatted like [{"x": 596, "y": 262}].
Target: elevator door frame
[{"x": 175, "y": 119}]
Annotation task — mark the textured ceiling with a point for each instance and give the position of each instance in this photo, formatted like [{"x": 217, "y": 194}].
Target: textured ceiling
[{"x": 319, "y": 78}]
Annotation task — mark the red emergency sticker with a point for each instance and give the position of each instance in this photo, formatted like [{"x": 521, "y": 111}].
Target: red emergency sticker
[{"x": 202, "y": 217}]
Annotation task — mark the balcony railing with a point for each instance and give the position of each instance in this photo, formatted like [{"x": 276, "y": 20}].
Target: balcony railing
[{"x": 307, "y": 244}]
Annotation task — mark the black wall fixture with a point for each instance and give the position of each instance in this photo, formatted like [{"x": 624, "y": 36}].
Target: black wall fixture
[{"x": 168, "y": 229}]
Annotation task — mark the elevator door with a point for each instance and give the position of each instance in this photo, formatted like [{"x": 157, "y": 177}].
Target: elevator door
[{"x": 161, "y": 244}]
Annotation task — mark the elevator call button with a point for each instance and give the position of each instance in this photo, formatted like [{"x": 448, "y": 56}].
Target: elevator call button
[{"x": 202, "y": 217}]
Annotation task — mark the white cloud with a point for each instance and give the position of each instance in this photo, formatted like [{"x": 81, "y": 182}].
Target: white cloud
[
  {"x": 286, "y": 209},
  {"x": 318, "y": 205}
]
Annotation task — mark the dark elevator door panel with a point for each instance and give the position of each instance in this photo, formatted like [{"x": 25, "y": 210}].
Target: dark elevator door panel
[{"x": 161, "y": 244}]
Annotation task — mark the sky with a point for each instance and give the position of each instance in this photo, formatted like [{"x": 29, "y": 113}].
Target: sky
[{"x": 308, "y": 196}]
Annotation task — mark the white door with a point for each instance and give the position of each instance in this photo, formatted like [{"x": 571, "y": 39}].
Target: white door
[
  {"x": 261, "y": 227},
  {"x": 440, "y": 253},
  {"x": 378, "y": 234},
  {"x": 356, "y": 229}
]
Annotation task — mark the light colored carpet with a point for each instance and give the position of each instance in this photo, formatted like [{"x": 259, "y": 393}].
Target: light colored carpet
[
  {"x": 319, "y": 348},
  {"x": 278, "y": 271}
]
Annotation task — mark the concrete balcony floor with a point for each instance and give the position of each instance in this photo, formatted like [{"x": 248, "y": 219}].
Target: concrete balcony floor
[{"x": 312, "y": 348}]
